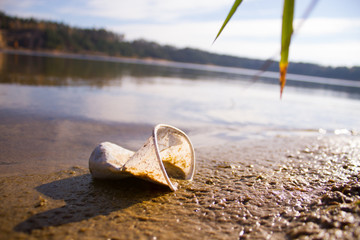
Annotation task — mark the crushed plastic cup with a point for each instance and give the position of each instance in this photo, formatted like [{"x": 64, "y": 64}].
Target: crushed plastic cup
[{"x": 167, "y": 153}]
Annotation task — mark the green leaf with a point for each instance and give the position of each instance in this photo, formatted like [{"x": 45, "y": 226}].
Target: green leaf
[
  {"x": 286, "y": 33},
  {"x": 231, "y": 13}
]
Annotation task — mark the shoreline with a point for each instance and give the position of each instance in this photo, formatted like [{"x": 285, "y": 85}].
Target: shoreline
[
  {"x": 31, "y": 140},
  {"x": 34, "y": 142}
]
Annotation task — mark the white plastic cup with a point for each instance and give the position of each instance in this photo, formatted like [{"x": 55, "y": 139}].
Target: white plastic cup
[{"x": 167, "y": 153}]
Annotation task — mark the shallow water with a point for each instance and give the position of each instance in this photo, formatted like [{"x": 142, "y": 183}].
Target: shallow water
[
  {"x": 267, "y": 168},
  {"x": 190, "y": 98}
]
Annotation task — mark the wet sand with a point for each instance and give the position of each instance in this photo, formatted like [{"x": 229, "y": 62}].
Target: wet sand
[
  {"x": 279, "y": 187},
  {"x": 28, "y": 141}
]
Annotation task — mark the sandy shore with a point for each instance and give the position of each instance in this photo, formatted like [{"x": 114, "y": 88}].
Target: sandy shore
[
  {"x": 52, "y": 143},
  {"x": 280, "y": 187}
]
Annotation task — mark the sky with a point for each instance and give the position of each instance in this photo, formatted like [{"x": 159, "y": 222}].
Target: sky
[{"x": 330, "y": 36}]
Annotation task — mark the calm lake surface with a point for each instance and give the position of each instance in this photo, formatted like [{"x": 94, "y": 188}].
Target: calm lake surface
[{"x": 216, "y": 103}]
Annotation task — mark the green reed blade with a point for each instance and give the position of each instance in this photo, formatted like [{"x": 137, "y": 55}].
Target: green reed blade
[
  {"x": 231, "y": 13},
  {"x": 286, "y": 33}
]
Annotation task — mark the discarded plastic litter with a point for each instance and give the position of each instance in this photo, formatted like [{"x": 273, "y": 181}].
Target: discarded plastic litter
[{"x": 168, "y": 152}]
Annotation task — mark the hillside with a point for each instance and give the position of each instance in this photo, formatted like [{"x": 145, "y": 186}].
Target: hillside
[{"x": 32, "y": 34}]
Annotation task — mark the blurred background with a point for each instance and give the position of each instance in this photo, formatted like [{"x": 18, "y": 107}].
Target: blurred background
[{"x": 330, "y": 36}]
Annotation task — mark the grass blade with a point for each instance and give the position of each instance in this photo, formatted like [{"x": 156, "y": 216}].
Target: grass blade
[
  {"x": 230, "y": 14},
  {"x": 286, "y": 33}
]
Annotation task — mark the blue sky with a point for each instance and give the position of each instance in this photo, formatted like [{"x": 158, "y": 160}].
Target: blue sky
[{"x": 330, "y": 36}]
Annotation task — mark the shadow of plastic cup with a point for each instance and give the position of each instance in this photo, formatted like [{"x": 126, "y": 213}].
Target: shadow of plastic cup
[{"x": 167, "y": 153}]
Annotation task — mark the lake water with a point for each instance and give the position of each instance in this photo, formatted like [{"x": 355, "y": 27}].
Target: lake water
[{"x": 215, "y": 102}]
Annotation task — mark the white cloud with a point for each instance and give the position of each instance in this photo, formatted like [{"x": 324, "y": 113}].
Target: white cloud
[
  {"x": 263, "y": 28},
  {"x": 326, "y": 26},
  {"x": 202, "y": 32},
  {"x": 328, "y": 41},
  {"x": 153, "y": 10},
  {"x": 334, "y": 54}
]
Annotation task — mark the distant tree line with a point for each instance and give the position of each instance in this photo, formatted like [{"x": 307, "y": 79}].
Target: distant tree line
[{"x": 29, "y": 33}]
